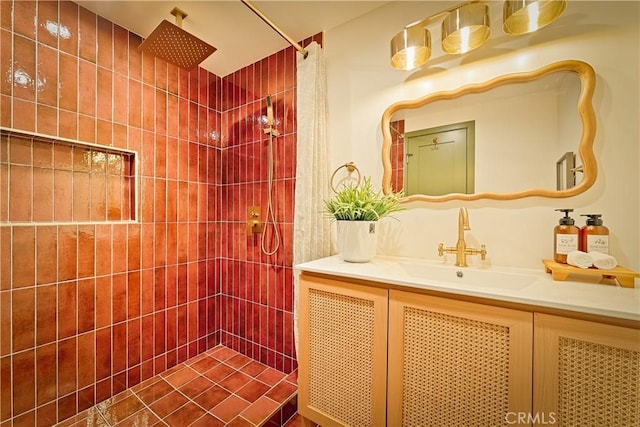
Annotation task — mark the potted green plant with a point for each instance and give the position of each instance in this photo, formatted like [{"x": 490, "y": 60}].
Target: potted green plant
[{"x": 357, "y": 208}]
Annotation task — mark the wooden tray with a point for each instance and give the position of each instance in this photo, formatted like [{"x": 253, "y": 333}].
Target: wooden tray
[{"x": 561, "y": 272}]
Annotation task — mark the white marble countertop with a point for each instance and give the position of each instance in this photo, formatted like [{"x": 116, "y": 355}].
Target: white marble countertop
[{"x": 530, "y": 286}]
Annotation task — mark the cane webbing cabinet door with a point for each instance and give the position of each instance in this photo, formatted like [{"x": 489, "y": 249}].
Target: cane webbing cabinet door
[
  {"x": 343, "y": 353},
  {"x": 456, "y": 363},
  {"x": 586, "y": 373}
]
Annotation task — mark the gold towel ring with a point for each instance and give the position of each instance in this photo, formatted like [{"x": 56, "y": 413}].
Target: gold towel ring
[{"x": 350, "y": 168}]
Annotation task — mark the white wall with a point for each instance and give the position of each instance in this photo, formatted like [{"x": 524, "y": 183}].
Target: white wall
[{"x": 518, "y": 233}]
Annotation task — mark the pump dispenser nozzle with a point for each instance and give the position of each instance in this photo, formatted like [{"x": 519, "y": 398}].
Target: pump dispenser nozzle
[
  {"x": 593, "y": 219},
  {"x": 566, "y": 220}
]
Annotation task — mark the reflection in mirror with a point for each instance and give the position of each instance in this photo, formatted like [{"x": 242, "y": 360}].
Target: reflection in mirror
[
  {"x": 439, "y": 160},
  {"x": 522, "y": 124}
]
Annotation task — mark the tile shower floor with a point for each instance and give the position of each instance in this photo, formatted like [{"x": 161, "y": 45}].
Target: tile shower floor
[{"x": 216, "y": 388}]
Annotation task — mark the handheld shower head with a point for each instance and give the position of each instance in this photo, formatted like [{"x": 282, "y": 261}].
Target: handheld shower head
[{"x": 269, "y": 111}]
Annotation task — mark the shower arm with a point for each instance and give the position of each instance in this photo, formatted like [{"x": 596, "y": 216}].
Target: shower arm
[{"x": 261, "y": 15}]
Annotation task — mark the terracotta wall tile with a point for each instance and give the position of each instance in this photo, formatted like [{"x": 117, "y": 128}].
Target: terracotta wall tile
[
  {"x": 47, "y": 118},
  {"x": 67, "y": 366},
  {"x": 121, "y": 49},
  {"x": 86, "y": 398},
  {"x": 69, "y": 83},
  {"x": 5, "y": 325},
  {"x": 46, "y": 312},
  {"x": 23, "y": 382},
  {"x": 23, "y": 13},
  {"x": 134, "y": 344},
  {"x": 6, "y": 60},
  {"x": 83, "y": 161},
  {"x": 20, "y": 193},
  {"x": 47, "y": 92},
  {"x": 62, "y": 195},
  {"x": 98, "y": 197},
  {"x": 23, "y": 255},
  {"x": 103, "y": 249},
  {"x": 135, "y": 57},
  {"x": 87, "y": 87},
  {"x": 148, "y": 107},
  {"x": 69, "y": 19},
  {"x": 105, "y": 95},
  {"x": 43, "y": 195},
  {"x": 81, "y": 197},
  {"x": 120, "y": 98},
  {"x": 67, "y": 313},
  {"x": 6, "y": 388},
  {"x": 4, "y": 186},
  {"x": 24, "y": 115},
  {"x": 105, "y": 43},
  {"x": 119, "y": 297},
  {"x": 119, "y": 357},
  {"x": 86, "y": 128},
  {"x": 67, "y": 252},
  {"x": 103, "y": 353},
  {"x": 133, "y": 291},
  {"x": 135, "y": 103},
  {"x": 103, "y": 301},
  {"x": 86, "y": 360},
  {"x": 24, "y": 70},
  {"x": 86, "y": 305},
  {"x": 47, "y": 386},
  {"x": 87, "y": 37},
  {"x": 133, "y": 247},
  {"x": 42, "y": 154},
  {"x": 147, "y": 338},
  {"x": 23, "y": 319}
]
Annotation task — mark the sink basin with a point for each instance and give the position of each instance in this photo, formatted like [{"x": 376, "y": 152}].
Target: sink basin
[{"x": 471, "y": 276}]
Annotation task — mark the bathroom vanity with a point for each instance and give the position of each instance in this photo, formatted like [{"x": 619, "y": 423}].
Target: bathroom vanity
[{"x": 408, "y": 342}]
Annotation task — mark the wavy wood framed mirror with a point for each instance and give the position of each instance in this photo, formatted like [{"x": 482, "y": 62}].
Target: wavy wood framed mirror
[{"x": 523, "y": 122}]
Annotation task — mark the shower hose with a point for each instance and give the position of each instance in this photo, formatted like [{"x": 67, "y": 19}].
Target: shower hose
[{"x": 270, "y": 214}]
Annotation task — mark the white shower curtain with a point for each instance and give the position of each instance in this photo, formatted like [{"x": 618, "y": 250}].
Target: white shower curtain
[{"x": 311, "y": 228}]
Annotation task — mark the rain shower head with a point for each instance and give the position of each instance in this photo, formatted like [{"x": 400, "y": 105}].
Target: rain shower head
[{"x": 175, "y": 45}]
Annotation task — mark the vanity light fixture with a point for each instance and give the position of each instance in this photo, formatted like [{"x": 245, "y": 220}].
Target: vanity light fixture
[
  {"x": 466, "y": 27},
  {"x": 527, "y": 16},
  {"x": 411, "y": 47}
]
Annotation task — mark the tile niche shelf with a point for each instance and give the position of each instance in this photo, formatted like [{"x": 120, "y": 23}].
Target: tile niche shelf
[{"x": 45, "y": 179}]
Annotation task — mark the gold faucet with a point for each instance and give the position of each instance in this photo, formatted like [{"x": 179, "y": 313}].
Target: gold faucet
[{"x": 461, "y": 249}]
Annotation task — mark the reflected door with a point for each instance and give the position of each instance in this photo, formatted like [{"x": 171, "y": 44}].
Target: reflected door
[{"x": 441, "y": 160}]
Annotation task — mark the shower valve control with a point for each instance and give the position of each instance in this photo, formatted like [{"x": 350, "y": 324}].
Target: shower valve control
[{"x": 254, "y": 220}]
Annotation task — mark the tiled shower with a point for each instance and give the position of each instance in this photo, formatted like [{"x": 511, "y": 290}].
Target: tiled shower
[{"x": 115, "y": 266}]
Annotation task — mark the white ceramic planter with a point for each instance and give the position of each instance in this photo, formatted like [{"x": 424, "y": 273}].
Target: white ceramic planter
[{"x": 357, "y": 240}]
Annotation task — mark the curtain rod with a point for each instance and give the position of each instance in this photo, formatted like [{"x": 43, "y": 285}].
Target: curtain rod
[{"x": 275, "y": 27}]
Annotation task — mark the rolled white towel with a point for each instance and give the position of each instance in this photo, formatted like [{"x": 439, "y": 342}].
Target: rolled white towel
[
  {"x": 603, "y": 261},
  {"x": 579, "y": 259}
]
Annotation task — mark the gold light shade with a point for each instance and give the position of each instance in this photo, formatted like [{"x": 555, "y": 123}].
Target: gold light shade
[
  {"x": 410, "y": 48},
  {"x": 466, "y": 28},
  {"x": 526, "y": 16}
]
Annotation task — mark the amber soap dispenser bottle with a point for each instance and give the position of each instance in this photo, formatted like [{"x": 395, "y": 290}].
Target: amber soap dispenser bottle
[
  {"x": 566, "y": 237},
  {"x": 594, "y": 237}
]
